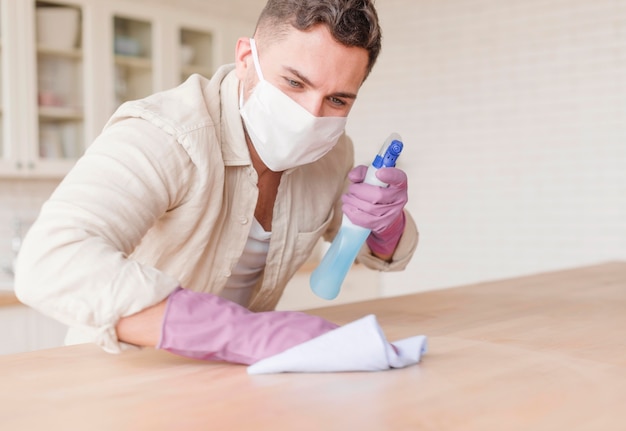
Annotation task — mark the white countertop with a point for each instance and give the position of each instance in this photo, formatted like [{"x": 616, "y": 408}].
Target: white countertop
[
  {"x": 6, "y": 285},
  {"x": 7, "y": 294}
]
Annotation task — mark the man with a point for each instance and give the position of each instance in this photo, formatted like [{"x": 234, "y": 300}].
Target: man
[{"x": 183, "y": 222}]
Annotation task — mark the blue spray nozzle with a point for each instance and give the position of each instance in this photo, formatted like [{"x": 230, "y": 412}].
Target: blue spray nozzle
[
  {"x": 389, "y": 155},
  {"x": 395, "y": 148},
  {"x": 392, "y": 153}
]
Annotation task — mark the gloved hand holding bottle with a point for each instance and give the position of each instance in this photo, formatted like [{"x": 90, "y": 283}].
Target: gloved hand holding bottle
[
  {"x": 205, "y": 326},
  {"x": 380, "y": 209}
]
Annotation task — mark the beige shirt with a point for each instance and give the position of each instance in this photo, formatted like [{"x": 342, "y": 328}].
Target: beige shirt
[{"x": 165, "y": 196}]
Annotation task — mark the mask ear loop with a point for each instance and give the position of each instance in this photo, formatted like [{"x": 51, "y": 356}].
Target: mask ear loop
[
  {"x": 255, "y": 58},
  {"x": 241, "y": 96}
]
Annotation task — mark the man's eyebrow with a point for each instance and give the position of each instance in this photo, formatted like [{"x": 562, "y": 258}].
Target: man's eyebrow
[{"x": 308, "y": 82}]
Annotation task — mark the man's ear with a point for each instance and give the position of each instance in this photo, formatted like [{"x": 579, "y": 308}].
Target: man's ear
[{"x": 242, "y": 57}]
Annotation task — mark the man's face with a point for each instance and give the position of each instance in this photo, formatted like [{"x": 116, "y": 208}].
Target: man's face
[{"x": 322, "y": 75}]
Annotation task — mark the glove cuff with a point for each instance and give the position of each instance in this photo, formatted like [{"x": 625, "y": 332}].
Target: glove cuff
[
  {"x": 205, "y": 326},
  {"x": 385, "y": 242},
  {"x": 162, "y": 341}
]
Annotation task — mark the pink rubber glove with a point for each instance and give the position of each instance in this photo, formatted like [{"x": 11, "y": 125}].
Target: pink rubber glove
[
  {"x": 205, "y": 326},
  {"x": 380, "y": 209}
]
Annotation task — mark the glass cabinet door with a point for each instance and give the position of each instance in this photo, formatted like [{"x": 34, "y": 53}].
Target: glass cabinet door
[
  {"x": 60, "y": 107},
  {"x": 66, "y": 65},
  {"x": 196, "y": 53},
  {"x": 11, "y": 89},
  {"x": 3, "y": 150},
  {"x": 132, "y": 45}
]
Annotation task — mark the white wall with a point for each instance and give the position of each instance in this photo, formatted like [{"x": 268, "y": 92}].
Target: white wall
[{"x": 514, "y": 119}]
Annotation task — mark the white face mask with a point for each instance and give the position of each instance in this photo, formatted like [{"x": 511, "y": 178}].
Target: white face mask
[{"x": 285, "y": 134}]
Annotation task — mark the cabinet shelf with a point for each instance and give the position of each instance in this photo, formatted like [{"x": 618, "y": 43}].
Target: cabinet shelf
[
  {"x": 133, "y": 62},
  {"x": 72, "y": 54},
  {"x": 60, "y": 113}
]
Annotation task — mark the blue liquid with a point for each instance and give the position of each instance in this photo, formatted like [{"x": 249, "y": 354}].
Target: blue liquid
[{"x": 327, "y": 278}]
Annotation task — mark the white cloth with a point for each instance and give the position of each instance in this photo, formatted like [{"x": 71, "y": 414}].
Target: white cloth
[{"x": 358, "y": 346}]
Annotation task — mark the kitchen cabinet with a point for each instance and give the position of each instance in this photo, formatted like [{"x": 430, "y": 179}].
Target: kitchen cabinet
[
  {"x": 25, "y": 330},
  {"x": 66, "y": 65}
]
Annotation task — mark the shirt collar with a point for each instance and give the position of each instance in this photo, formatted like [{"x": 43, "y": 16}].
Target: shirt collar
[{"x": 234, "y": 148}]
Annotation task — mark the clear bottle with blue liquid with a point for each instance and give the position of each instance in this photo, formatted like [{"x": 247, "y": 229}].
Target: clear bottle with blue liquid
[{"x": 327, "y": 278}]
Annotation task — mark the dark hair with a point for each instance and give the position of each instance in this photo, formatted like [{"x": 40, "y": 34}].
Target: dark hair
[{"x": 350, "y": 22}]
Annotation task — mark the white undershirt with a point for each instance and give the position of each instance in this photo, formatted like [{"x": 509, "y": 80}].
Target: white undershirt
[{"x": 250, "y": 266}]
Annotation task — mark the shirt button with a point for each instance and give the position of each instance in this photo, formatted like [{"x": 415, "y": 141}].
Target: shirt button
[
  {"x": 243, "y": 220},
  {"x": 227, "y": 274}
]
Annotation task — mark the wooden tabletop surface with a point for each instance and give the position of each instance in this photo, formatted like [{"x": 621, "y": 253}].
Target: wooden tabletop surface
[
  {"x": 543, "y": 352},
  {"x": 8, "y": 298}
]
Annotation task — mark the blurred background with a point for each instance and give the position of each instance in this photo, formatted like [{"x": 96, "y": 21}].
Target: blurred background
[{"x": 513, "y": 116}]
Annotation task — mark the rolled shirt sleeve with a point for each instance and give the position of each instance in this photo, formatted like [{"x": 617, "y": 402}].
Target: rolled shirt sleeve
[{"x": 75, "y": 264}]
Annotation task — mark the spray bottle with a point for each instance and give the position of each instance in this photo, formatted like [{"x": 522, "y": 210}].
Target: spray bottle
[{"x": 327, "y": 278}]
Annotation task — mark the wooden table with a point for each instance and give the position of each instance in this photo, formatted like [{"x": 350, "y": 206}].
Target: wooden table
[
  {"x": 544, "y": 352},
  {"x": 8, "y": 298}
]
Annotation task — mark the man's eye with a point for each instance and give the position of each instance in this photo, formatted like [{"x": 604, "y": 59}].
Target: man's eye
[
  {"x": 292, "y": 83},
  {"x": 336, "y": 101}
]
